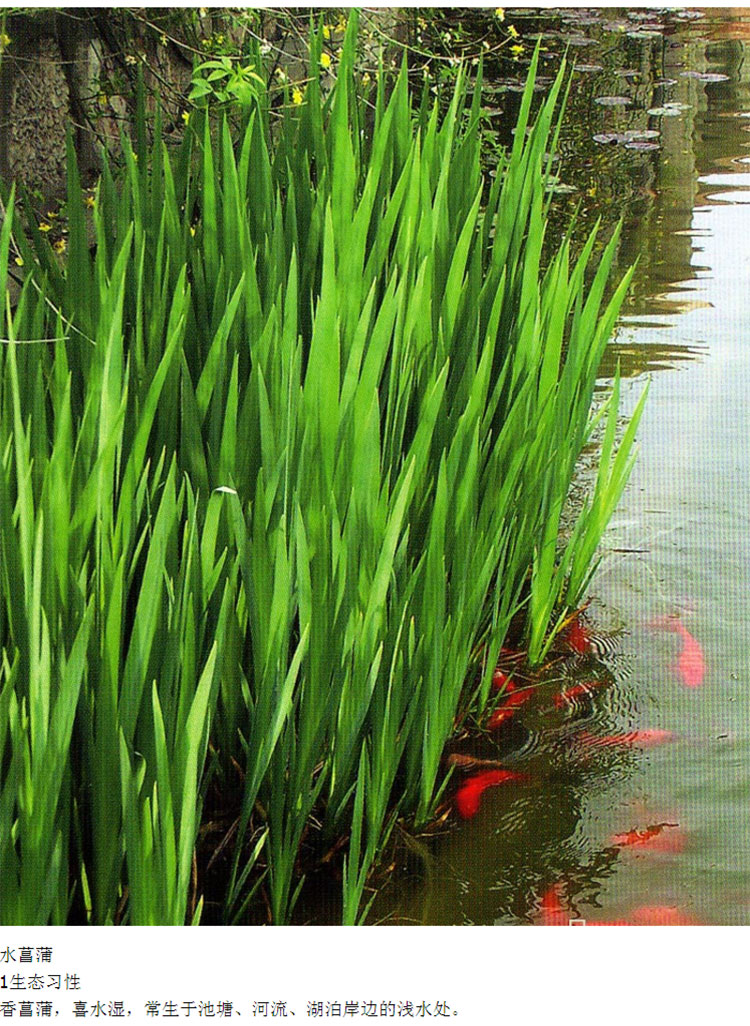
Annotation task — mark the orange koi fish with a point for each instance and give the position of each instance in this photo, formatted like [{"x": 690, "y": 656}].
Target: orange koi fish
[
  {"x": 499, "y": 717},
  {"x": 648, "y": 738},
  {"x": 652, "y": 838},
  {"x": 571, "y": 695},
  {"x": 691, "y": 666},
  {"x": 500, "y": 680},
  {"x": 551, "y": 908},
  {"x": 470, "y": 793},
  {"x": 578, "y": 638},
  {"x": 513, "y": 697}
]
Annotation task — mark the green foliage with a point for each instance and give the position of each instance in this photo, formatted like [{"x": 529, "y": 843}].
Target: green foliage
[
  {"x": 297, "y": 456},
  {"x": 224, "y": 80}
]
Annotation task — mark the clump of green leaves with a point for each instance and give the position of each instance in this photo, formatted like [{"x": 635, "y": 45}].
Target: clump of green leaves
[
  {"x": 225, "y": 80},
  {"x": 292, "y": 460}
]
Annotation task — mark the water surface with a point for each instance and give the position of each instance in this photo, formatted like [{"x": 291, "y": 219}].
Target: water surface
[{"x": 660, "y": 831}]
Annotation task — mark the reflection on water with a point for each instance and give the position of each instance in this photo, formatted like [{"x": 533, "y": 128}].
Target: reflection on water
[{"x": 636, "y": 754}]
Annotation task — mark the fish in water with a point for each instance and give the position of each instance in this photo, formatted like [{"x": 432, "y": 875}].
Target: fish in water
[
  {"x": 653, "y": 838},
  {"x": 579, "y": 691},
  {"x": 498, "y": 717},
  {"x": 516, "y": 698},
  {"x": 551, "y": 908},
  {"x": 578, "y": 638},
  {"x": 501, "y": 680},
  {"x": 647, "y": 738},
  {"x": 511, "y": 700},
  {"x": 691, "y": 665},
  {"x": 471, "y": 762},
  {"x": 470, "y": 793}
]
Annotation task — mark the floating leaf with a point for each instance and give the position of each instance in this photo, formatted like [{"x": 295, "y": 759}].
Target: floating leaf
[
  {"x": 585, "y": 68},
  {"x": 635, "y": 134},
  {"x": 613, "y": 101},
  {"x": 664, "y": 112},
  {"x": 608, "y": 138},
  {"x": 577, "y": 40},
  {"x": 641, "y": 146},
  {"x": 704, "y": 76}
]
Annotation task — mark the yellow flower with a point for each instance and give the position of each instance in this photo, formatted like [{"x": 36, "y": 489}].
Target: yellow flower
[
  {"x": 131, "y": 58},
  {"x": 366, "y": 78},
  {"x": 103, "y": 99},
  {"x": 163, "y": 39},
  {"x": 500, "y": 13},
  {"x": 325, "y": 60},
  {"x": 192, "y": 230},
  {"x": 52, "y": 215},
  {"x": 185, "y": 116},
  {"x": 513, "y": 31},
  {"x": 517, "y": 50},
  {"x": 326, "y": 32},
  {"x": 19, "y": 261},
  {"x": 297, "y": 96},
  {"x": 90, "y": 201},
  {"x": 59, "y": 246},
  {"x": 4, "y": 39},
  {"x": 44, "y": 227}
]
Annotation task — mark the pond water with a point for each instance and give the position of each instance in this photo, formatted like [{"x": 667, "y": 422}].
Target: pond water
[{"x": 635, "y": 804}]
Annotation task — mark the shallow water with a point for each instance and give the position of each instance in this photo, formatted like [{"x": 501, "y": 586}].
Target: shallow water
[{"x": 656, "y": 829}]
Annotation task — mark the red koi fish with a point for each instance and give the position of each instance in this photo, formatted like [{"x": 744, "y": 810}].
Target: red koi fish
[
  {"x": 500, "y": 680},
  {"x": 571, "y": 695},
  {"x": 653, "y": 839},
  {"x": 513, "y": 697},
  {"x": 507, "y": 709},
  {"x": 499, "y": 717},
  {"x": 551, "y": 908},
  {"x": 648, "y": 738},
  {"x": 691, "y": 666},
  {"x": 470, "y": 793},
  {"x": 578, "y": 638}
]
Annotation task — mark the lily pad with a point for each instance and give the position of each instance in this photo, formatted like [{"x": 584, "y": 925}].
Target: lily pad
[
  {"x": 637, "y": 144},
  {"x": 664, "y": 82},
  {"x": 587, "y": 67},
  {"x": 664, "y": 112},
  {"x": 704, "y": 76},
  {"x": 608, "y": 138},
  {"x": 640, "y": 134},
  {"x": 613, "y": 101}
]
